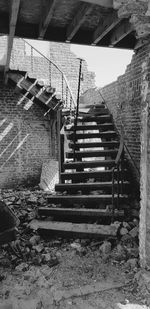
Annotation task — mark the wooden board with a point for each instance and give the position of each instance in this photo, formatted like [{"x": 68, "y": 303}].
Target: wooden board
[{"x": 75, "y": 229}]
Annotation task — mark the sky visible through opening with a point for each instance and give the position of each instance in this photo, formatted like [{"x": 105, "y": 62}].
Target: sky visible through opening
[{"x": 107, "y": 63}]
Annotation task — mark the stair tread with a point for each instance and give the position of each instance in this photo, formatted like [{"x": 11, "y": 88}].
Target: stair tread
[
  {"x": 89, "y": 127},
  {"x": 87, "y": 185},
  {"x": 82, "y": 229},
  {"x": 86, "y": 164},
  {"x": 94, "y": 144},
  {"x": 105, "y": 134},
  {"x": 91, "y": 153},
  {"x": 85, "y": 196},
  {"x": 48, "y": 211},
  {"x": 92, "y": 118},
  {"x": 92, "y": 106},
  {"x": 87, "y": 174}
]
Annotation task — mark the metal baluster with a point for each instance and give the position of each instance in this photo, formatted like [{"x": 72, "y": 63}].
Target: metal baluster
[
  {"x": 77, "y": 109},
  {"x": 50, "y": 74},
  {"x": 122, "y": 171},
  {"x": 113, "y": 207},
  {"x": 70, "y": 107},
  {"x": 62, "y": 88},
  {"x": 66, "y": 103},
  {"x": 31, "y": 59},
  {"x": 118, "y": 189}
]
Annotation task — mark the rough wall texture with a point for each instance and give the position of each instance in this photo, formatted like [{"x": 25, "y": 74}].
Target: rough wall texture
[
  {"x": 40, "y": 68},
  {"x": 123, "y": 98},
  {"x": 25, "y": 140},
  {"x": 128, "y": 99},
  {"x": 139, "y": 13},
  {"x": 144, "y": 232}
]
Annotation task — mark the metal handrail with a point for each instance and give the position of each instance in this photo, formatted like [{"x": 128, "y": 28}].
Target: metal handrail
[
  {"x": 72, "y": 104},
  {"x": 118, "y": 160},
  {"x": 127, "y": 149}
]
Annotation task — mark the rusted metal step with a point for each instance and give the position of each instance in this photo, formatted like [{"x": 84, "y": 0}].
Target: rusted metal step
[
  {"x": 87, "y": 187},
  {"x": 90, "y": 154},
  {"x": 104, "y": 175},
  {"x": 92, "y": 106},
  {"x": 104, "y": 127},
  {"x": 98, "y": 119},
  {"x": 89, "y": 164},
  {"x": 105, "y": 135},
  {"x": 92, "y": 200},
  {"x": 78, "y": 212},
  {"x": 110, "y": 144},
  {"x": 67, "y": 229},
  {"x": 98, "y": 111}
]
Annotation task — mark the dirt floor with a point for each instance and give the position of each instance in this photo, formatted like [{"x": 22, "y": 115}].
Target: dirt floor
[{"x": 73, "y": 273}]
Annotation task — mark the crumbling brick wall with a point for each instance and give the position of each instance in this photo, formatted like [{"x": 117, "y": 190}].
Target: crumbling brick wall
[
  {"x": 30, "y": 138},
  {"x": 25, "y": 140},
  {"x": 124, "y": 100},
  {"x": 40, "y": 68}
]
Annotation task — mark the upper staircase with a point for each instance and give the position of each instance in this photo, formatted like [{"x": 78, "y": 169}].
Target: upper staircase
[{"x": 94, "y": 189}]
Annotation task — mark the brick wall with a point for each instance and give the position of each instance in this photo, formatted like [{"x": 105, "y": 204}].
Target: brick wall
[
  {"x": 124, "y": 100},
  {"x": 28, "y": 139},
  {"x": 40, "y": 68},
  {"x": 25, "y": 140}
]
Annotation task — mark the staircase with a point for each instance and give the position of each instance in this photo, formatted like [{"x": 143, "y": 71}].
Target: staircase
[
  {"x": 93, "y": 191},
  {"x": 34, "y": 92}
]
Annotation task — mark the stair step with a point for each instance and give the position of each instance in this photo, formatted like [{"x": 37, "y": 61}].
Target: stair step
[
  {"x": 90, "y": 154},
  {"x": 107, "y": 135},
  {"x": 98, "y": 111},
  {"x": 106, "y": 126},
  {"x": 97, "y": 175},
  {"x": 47, "y": 228},
  {"x": 98, "y": 119},
  {"x": 92, "y": 106},
  {"x": 78, "y": 212},
  {"x": 89, "y": 164},
  {"x": 23, "y": 73},
  {"x": 31, "y": 79},
  {"x": 74, "y": 187},
  {"x": 109, "y": 144},
  {"x": 93, "y": 200}
]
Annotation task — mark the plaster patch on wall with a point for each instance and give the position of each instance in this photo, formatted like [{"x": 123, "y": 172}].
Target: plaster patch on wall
[{"x": 144, "y": 167}]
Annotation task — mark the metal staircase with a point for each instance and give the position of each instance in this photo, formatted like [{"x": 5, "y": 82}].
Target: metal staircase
[{"x": 94, "y": 188}]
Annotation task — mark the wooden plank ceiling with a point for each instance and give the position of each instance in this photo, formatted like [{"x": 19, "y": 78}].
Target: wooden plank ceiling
[{"x": 90, "y": 22}]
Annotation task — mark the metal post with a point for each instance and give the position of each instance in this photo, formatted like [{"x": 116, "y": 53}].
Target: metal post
[{"x": 77, "y": 109}]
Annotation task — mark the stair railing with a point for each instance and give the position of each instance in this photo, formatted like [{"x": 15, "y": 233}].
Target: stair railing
[
  {"x": 125, "y": 145},
  {"x": 119, "y": 168},
  {"x": 56, "y": 75}
]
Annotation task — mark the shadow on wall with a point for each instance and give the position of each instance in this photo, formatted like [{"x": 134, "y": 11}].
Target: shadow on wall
[{"x": 11, "y": 139}]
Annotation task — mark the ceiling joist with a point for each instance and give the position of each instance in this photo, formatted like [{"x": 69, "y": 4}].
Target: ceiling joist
[
  {"x": 77, "y": 21},
  {"x": 46, "y": 18},
  {"x": 103, "y": 29},
  {"x": 120, "y": 32},
  {"x": 104, "y": 3},
  {"x": 12, "y": 27}
]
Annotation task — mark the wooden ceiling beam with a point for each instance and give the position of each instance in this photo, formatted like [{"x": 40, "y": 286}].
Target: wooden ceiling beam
[
  {"x": 104, "y": 28},
  {"x": 12, "y": 27},
  {"x": 46, "y": 18},
  {"x": 104, "y": 3},
  {"x": 78, "y": 20},
  {"x": 120, "y": 33}
]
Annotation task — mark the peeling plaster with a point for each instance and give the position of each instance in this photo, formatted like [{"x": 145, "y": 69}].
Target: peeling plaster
[
  {"x": 139, "y": 13},
  {"x": 144, "y": 168}
]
